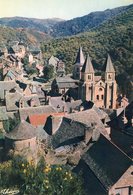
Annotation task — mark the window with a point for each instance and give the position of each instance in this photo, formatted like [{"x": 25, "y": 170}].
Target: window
[
  {"x": 97, "y": 97},
  {"x": 102, "y": 97},
  {"x": 89, "y": 77},
  {"x": 109, "y": 76},
  {"x": 100, "y": 89}
]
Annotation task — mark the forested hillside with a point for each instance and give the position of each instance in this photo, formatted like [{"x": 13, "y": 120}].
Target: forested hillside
[
  {"x": 86, "y": 23},
  {"x": 28, "y": 36},
  {"x": 114, "y": 37}
]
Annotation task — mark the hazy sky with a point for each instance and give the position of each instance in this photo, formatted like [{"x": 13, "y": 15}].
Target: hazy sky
[{"x": 65, "y": 9}]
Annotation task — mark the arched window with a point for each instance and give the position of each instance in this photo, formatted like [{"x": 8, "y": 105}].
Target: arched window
[
  {"x": 100, "y": 89},
  {"x": 97, "y": 97}
]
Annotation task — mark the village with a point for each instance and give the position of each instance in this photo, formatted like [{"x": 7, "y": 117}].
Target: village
[{"x": 79, "y": 119}]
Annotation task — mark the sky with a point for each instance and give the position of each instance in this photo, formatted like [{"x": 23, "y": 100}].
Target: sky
[{"x": 65, "y": 9}]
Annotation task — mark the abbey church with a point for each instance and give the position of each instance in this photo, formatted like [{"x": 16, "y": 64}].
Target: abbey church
[{"x": 102, "y": 90}]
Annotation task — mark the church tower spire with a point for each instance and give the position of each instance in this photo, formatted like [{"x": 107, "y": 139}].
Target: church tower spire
[
  {"x": 87, "y": 71},
  {"x": 87, "y": 81},
  {"x": 78, "y": 64},
  {"x": 111, "y": 86}
]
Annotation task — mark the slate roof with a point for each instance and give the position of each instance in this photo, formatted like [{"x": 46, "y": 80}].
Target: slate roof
[
  {"x": 57, "y": 103},
  {"x": 73, "y": 105},
  {"x": 26, "y": 100},
  {"x": 106, "y": 161},
  {"x": 123, "y": 141},
  {"x": 92, "y": 186},
  {"x": 3, "y": 114},
  {"x": 22, "y": 131},
  {"x": 69, "y": 132},
  {"x": 87, "y": 66},
  {"x": 80, "y": 57},
  {"x": 87, "y": 117},
  {"x": 65, "y": 82},
  {"x": 6, "y": 86},
  {"x": 109, "y": 65},
  {"x": 25, "y": 112},
  {"x": 12, "y": 101},
  {"x": 97, "y": 78}
]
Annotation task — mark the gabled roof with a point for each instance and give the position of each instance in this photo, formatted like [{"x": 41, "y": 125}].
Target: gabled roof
[
  {"x": 109, "y": 65},
  {"x": 80, "y": 57},
  {"x": 22, "y": 131},
  {"x": 87, "y": 66}
]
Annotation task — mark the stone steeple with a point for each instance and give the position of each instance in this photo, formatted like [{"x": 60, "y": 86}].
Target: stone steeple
[
  {"x": 78, "y": 64},
  {"x": 80, "y": 57},
  {"x": 109, "y": 65},
  {"x": 87, "y": 66}
]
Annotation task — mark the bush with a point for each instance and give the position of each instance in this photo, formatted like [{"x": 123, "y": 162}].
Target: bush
[{"x": 39, "y": 179}]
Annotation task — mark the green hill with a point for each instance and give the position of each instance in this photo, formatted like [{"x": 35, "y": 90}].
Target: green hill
[
  {"x": 114, "y": 36},
  {"x": 28, "y": 36},
  {"x": 87, "y": 22}
]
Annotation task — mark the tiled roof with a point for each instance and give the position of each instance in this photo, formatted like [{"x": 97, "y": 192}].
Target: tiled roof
[
  {"x": 40, "y": 119},
  {"x": 25, "y": 112}
]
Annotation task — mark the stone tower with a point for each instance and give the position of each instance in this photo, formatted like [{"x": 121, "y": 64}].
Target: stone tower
[
  {"x": 87, "y": 81},
  {"x": 110, "y": 85},
  {"x": 78, "y": 64}
]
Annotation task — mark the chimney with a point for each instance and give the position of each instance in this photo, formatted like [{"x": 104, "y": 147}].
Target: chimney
[
  {"x": 51, "y": 124},
  {"x": 91, "y": 133}
]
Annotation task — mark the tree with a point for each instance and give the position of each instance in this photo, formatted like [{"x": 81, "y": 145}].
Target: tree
[{"x": 48, "y": 72}]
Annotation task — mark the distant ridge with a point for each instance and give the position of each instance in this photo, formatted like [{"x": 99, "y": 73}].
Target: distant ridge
[{"x": 57, "y": 27}]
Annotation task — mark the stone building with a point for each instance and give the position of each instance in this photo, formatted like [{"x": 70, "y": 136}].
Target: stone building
[
  {"x": 102, "y": 90},
  {"x": 78, "y": 64},
  {"x": 21, "y": 138}
]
